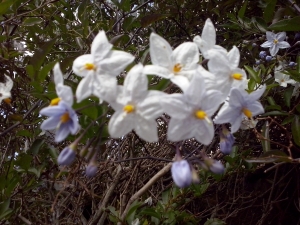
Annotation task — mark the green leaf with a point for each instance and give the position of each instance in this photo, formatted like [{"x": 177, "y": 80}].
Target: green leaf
[
  {"x": 4, "y": 206},
  {"x": 265, "y": 133},
  {"x": 165, "y": 196},
  {"x": 34, "y": 171},
  {"x": 298, "y": 64},
  {"x": 132, "y": 211},
  {"x": 125, "y": 5},
  {"x": 214, "y": 221},
  {"x": 30, "y": 21},
  {"x": 149, "y": 19},
  {"x": 242, "y": 11},
  {"x": 288, "y": 120},
  {"x": 150, "y": 212},
  {"x": 40, "y": 54},
  {"x": 270, "y": 157},
  {"x": 253, "y": 74},
  {"x": 25, "y": 133},
  {"x": 5, "y": 5},
  {"x": 296, "y": 130},
  {"x": 34, "y": 149},
  {"x": 24, "y": 161},
  {"x": 288, "y": 96},
  {"x": 292, "y": 24},
  {"x": 45, "y": 71},
  {"x": 30, "y": 71},
  {"x": 275, "y": 113},
  {"x": 269, "y": 10}
]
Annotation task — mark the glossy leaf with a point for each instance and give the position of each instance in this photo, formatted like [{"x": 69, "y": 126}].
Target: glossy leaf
[{"x": 296, "y": 130}]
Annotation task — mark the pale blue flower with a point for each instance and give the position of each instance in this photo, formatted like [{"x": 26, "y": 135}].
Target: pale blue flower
[
  {"x": 213, "y": 165},
  {"x": 240, "y": 104},
  {"x": 66, "y": 156},
  {"x": 91, "y": 170},
  {"x": 62, "y": 118},
  {"x": 226, "y": 141},
  {"x": 275, "y": 42},
  {"x": 181, "y": 173}
]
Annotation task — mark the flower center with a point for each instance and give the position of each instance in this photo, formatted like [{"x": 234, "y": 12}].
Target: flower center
[
  {"x": 177, "y": 68},
  {"x": 65, "y": 117},
  {"x": 237, "y": 76},
  {"x": 247, "y": 112},
  {"x": 7, "y": 100},
  {"x": 275, "y": 41},
  {"x": 90, "y": 66},
  {"x": 129, "y": 108},
  {"x": 200, "y": 114},
  {"x": 55, "y": 101}
]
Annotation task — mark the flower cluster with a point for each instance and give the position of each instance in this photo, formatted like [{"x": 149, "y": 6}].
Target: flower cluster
[{"x": 214, "y": 95}]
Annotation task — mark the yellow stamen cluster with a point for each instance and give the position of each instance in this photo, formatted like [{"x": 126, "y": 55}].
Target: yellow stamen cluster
[
  {"x": 200, "y": 114},
  {"x": 65, "y": 118},
  {"x": 247, "y": 112},
  {"x": 177, "y": 68},
  {"x": 275, "y": 41},
  {"x": 55, "y": 101},
  {"x": 129, "y": 108},
  {"x": 7, "y": 100},
  {"x": 237, "y": 76},
  {"x": 90, "y": 66}
]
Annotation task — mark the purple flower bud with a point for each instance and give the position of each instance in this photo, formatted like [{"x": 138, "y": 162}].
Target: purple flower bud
[
  {"x": 213, "y": 165},
  {"x": 292, "y": 64},
  {"x": 268, "y": 58},
  {"x": 254, "y": 45},
  {"x": 262, "y": 54},
  {"x": 91, "y": 170},
  {"x": 217, "y": 167},
  {"x": 257, "y": 62},
  {"x": 226, "y": 141},
  {"x": 66, "y": 156},
  {"x": 181, "y": 173}
]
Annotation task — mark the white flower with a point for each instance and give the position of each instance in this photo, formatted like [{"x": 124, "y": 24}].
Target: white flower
[
  {"x": 64, "y": 92},
  {"x": 296, "y": 89},
  {"x": 190, "y": 112},
  {"x": 207, "y": 41},
  {"x": 240, "y": 104},
  {"x": 99, "y": 69},
  {"x": 275, "y": 42},
  {"x": 136, "y": 107},
  {"x": 5, "y": 89},
  {"x": 178, "y": 65},
  {"x": 226, "y": 72},
  {"x": 283, "y": 79}
]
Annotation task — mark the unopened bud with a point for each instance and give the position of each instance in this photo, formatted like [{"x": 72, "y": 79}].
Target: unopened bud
[
  {"x": 91, "y": 170},
  {"x": 66, "y": 156},
  {"x": 181, "y": 173}
]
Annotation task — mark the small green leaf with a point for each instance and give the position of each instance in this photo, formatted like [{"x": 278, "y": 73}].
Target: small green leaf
[
  {"x": 296, "y": 130},
  {"x": 214, "y": 221},
  {"x": 4, "y": 206},
  {"x": 288, "y": 120},
  {"x": 253, "y": 74},
  {"x": 242, "y": 11},
  {"x": 286, "y": 25},
  {"x": 149, "y": 19},
  {"x": 150, "y": 212},
  {"x": 288, "y": 96},
  {"x": 34, "y": 149},
  {"x": 275, "y": 113},
  {"x": 30, "y": 21},
  {"x": 45, "y": 71},
  {"x": 266, "y": 141},
  {"x": 5, "y": 5},
  {"x": 269, "y": 10}
]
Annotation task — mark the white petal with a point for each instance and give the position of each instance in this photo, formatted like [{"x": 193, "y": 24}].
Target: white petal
[
  {"x": 267, "y": 44},
  {"x": 150, "y": 108},
  {"x": 256, "y": 108},
  {"x": 7, "y": 86},
  {"x": 100, "y": 46},
  {"x": 136, "y": 83},
  {"x": 105, "y": 87},
  {"x": 255, "y": 95},
  {"x": 273, "y": 50},
  {"x": 65, "y": 93},
  {"x": 158, "y": 70},
  {"x": 175, "y": 106},
  {"x": 214, "y": 97},
  {"x": 58, "y": 76},
  {"x": 209, "y": 33},
  {"x": 196, "y": 90},
  {"x": 84, "y": 88},
  {"x": 270, "y": 36},
  {"x": 283, "y": 44},
  {"x": 115, "y": 62},
  {"x": 219, "y": 66},
  {"x": 180, "y": 130},
  {"x": 202, "y": 45},
  {"x": 181, "y": 81},
  {"x": 121, "y": 124},
  {"x": 160, "y": 51},
  {"x": 280, "y": 36},
  {"x": 237, "y": 123},
  {"x": 207, "y": 136},
  {"x": 147, "y": 129},
  {"x": 234, "y": 57},
  {"x": 186, "y": 55},
  {"x": 50, "y": 123},
  {"x": 62, "y": 133},
  {"x": 79, "y": 65}
]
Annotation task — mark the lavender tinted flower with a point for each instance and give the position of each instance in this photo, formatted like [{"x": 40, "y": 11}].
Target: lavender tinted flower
[
  {"x": 66, "y": 156},
  {"x": 262, "y": 54},
  {"x": 62, "y": 118},
  {"x": 226, "y": 141},
  {"x": 181, "y": 173},
  {"x": 292, "y": 64},
  {"x": 213, "y": 165},
  {"x": 91, "y": 170},
  {"x": 257, "y": 62},
  {"x": 268, "y": 58}
]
